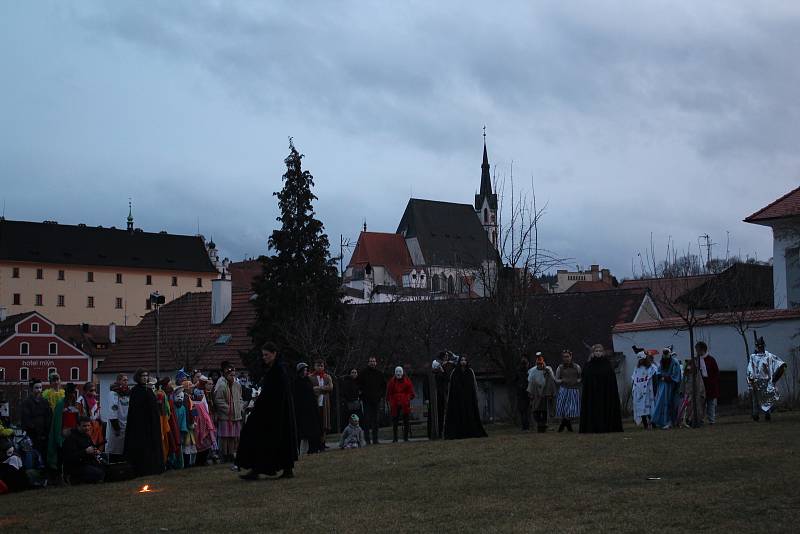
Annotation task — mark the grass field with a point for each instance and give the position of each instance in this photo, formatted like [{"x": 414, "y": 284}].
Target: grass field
[{"x": 737, "y": 477}]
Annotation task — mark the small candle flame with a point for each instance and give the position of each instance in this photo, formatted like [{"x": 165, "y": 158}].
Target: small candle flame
[{"x": 145, "y": 489}]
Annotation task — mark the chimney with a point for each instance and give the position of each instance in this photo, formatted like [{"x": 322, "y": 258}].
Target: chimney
[
  {"x": 220, "y": 300},
  {"x": 112, "y": 333}
]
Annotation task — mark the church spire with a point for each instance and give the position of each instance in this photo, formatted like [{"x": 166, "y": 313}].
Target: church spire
[
  {"x": 130, "y": 216},
  {"x": 486, "y": 179}
]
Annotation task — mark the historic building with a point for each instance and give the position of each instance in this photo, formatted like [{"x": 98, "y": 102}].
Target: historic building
[
  {"x": 439, "y": 250},
  {"x": 82, "y": 274}
]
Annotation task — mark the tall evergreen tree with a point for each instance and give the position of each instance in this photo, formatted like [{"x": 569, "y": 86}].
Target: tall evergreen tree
[{"x": 298, "y": 298}]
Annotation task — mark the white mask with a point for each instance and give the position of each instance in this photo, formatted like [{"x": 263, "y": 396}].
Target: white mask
[{"x": 398, "y": 372}]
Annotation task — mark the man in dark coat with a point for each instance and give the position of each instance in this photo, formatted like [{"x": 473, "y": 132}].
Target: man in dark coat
[
  {"x": 80, "y": 454},
  {"x": 600, "y": 408},
  {"x": 463, "y": 418},
  {"x": 36, "y": 417},
  {"x": 373, "y": 388},
  {"x": 268, "y": 442},
  {"x": 143, "y": 430},
  {"x": 306, "y": 412}
]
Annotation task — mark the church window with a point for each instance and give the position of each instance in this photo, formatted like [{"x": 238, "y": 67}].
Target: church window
[
  {"x": 485, "y": 215},
  {"x": 435, "y": 283},
  {"x": 451, "y": 287}
]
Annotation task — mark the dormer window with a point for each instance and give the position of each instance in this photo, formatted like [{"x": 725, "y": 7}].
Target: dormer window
[{"x": 34, "y": 328}]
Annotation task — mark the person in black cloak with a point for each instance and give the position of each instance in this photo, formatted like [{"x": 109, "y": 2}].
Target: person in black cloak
[
  {"x": 268, "y": 442},
  {"x": 463, "y": 419},
  {"x": 143, "y": 429},
  {"x": 600, "y": 408},
  {"x": 306, "y": 413}
]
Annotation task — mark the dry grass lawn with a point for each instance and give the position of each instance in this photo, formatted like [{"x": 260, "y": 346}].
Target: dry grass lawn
[{"x": 737, "y": 477}]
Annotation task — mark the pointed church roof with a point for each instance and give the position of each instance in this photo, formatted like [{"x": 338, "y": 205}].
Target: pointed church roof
[
  {"x": 486, "y": 184},
  {"x": 448, "y": 233}
]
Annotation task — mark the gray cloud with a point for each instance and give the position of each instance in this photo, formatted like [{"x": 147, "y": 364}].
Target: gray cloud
[{"x": 676, "y": 119}]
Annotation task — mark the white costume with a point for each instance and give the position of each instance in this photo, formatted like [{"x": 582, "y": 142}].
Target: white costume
[
  {"x": 643, "y": 393},
  {"x": 119, "y": 411}
]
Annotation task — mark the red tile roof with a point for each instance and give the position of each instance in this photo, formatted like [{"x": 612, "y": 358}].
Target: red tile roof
[
  {"x": 589, "y": 285},
  {"x": 243, "y": 272},
  {"x": 384, "y": 249},
  {"x": 666, "y": 292},
  {"x": 786, "y": 206},
  {"x": 676, "y": 323},
  {"x": 187, "y": 336}
]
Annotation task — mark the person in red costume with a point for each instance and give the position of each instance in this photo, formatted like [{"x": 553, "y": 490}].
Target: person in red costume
[{"x": 399, "y": 392}]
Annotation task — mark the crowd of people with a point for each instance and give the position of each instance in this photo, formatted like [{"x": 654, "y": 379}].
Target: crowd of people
[{"x": 192, "y": 420}]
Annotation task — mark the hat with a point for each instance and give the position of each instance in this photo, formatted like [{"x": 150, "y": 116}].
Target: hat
[
  {"x": 203, "y": 378},
  {"x": 354, "y": 418},
  {"x": 302, "y": 365},
  {"x": 436, "y": 365},
  {"x": 181, "y": 375}
]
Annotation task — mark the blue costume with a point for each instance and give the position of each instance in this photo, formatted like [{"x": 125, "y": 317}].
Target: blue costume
[{"x": 665, "y": 408}]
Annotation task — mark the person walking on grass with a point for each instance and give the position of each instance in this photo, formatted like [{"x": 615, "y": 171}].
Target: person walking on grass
[
  {"x": 542, "y": 389},
  {"x": 143, "y": 447},
  {"x": 229, "y": 412},
  {"x": 36, "y": 417},
  {"x": 373, "y": 388},
  {"x": 568, "y": 400},
  {"x": 351, "y": 395},
  {"x": 306, "y": 414},
  {"x": 323, "y": 386},
  {"x": 643, "y": 386},
  {"x": 463, "y": 418},
  {"x": 600, "y": 408},
  {"x": 268, "y": 442},
  {"x": 668, "y": 380},
  {"x": 709, "y": 370},
  {"x": 764, "y": 370},
  {"x": 399, "y": 393},
  {"x": 523, "y": 397}
]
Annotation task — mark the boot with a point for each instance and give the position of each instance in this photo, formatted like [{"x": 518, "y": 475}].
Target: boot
[
  {"x": 569, "y": 425},
  {"x": 563, "y": 425}
]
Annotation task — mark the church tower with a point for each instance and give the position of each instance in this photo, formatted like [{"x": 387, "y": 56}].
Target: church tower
[{"x": 486, "y": 200}]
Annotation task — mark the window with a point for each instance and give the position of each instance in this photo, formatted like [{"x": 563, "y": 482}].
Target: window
[
  {"x": 40, "y": 274},
  {"x": 435, "y": 283},
  {"x": 51, "y": 370},
  {"x": 60, "y": 301},
  {"x": 90, "y": 276},
  {"x": 199, "y": 282},
  {"x": 23, "y": 374},
  {"x": 24, "y": 348},
  {"x": 60, "y": 274},
  {"x": 2, "y": 374},
  {"x": 119, "y": 278},
  {"x": 90, "y": 302},
  {"x": 451, "y": 286},
  {"x": 147, "y": 304},
  {"x": 149, "y": 280},
  {"x": 485, "y": 215},
  {"x": 34, "y": 328},
  {"x": 52, "y": 348},
  {"x": 17, "y": 299},
  {"x": 15, "y": 272},
  {"x": 174, "y": 281},
  {"x": 39, "y": 300},
  {"x": 118, "y": 303},
  {"x": 74, "y": 374}
]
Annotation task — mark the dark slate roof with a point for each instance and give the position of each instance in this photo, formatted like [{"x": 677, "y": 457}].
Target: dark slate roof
[
  {"x": 93, "y": 339},
  {"x": 742, "y": 286},
  {"x": 449, "y": 234},
  {"x": 109, "y": 247}
]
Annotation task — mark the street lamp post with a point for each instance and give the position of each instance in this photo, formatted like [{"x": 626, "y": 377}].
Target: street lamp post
[{"x": 157, "y": 300}]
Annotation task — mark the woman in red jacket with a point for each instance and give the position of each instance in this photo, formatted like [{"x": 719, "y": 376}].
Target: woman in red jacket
[{"x": 399, "y": 392}]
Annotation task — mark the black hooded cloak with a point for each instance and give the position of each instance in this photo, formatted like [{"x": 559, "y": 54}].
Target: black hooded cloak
[
  {"x": 463, "y": 419},
  {"x": 306, "y": 413},
  {"x": 600, "y": 408},
  {"x": 143, "y": 433},
  {"x": 268, "y": 442}
]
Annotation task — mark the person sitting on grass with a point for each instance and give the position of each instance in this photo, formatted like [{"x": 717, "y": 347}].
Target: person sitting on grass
[
  {"x": 80, "y": 455},
  {"x": 12, "y": 472},
  {"x": 352, "y": 435}
]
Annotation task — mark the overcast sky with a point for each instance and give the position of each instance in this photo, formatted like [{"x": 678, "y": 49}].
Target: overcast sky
[{"x": 676, "y": 118}]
